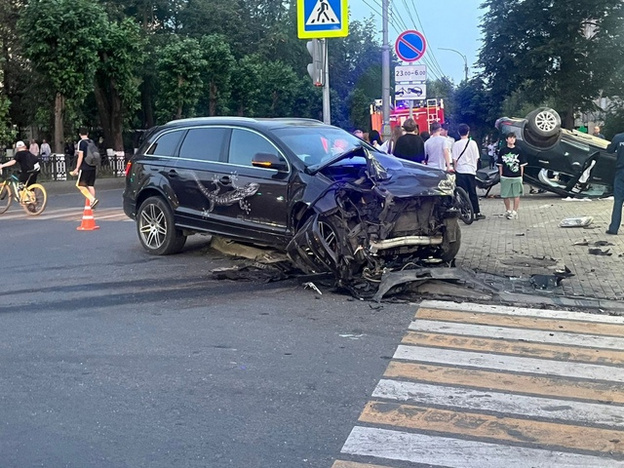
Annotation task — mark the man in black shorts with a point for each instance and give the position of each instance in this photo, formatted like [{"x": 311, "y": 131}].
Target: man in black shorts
[
  {"x": 86, "y": 174},
  {"x": 28, "y": 162}
]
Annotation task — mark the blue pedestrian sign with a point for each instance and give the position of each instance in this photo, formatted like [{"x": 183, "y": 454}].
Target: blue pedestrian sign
[
  {"x": 318, "y": 19},
  {"x": 410, "y": 46}
]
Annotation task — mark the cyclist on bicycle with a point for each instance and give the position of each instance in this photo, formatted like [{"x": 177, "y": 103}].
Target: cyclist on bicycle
[{"x": 28, "y": 162}]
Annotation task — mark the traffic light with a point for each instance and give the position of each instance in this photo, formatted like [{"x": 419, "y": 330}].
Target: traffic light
[{"x": 316, "y": 69}]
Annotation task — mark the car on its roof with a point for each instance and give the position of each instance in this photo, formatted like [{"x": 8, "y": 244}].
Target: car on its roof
[
  {"x": 565, "y": 162},
  {"x": 328, "y": 199}
]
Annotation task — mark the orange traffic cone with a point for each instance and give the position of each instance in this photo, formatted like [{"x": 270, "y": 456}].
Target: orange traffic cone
[{"x": 88, "y": 221}]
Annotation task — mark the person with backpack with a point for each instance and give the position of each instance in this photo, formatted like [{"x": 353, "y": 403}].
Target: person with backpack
[{"x": 86, "y": 166}]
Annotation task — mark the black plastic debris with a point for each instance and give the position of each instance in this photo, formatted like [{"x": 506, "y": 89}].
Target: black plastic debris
[
  {"x": 550, "y": 282},
  {"x": 600, "y": 252}
]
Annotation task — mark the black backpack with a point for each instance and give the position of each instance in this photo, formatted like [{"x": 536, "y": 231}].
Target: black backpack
[{"x": 92, "y": 156}]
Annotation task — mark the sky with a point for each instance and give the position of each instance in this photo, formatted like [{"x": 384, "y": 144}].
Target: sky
[{"x": 452, "y": 24}]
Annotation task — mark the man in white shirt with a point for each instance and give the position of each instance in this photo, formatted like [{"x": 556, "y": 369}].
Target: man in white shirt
[
  {"x": 465, "y": 153},
  {"x": 437, "y": 152}
]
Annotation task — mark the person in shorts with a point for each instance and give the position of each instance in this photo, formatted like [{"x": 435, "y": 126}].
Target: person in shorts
[
  {"x": 28, "y": 163},
  {"x": 86, "y": 174},
  {"x": 511, "y": 164}
]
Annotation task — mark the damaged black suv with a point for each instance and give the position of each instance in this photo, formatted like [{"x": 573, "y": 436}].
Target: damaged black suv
[{"x": 328, "y": 199}]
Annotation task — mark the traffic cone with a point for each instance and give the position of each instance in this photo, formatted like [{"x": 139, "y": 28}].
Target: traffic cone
[{"x": 88, "y": 221}]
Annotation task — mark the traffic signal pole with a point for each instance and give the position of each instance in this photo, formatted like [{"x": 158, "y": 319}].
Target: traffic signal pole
[{"x": 326, "y": 106}]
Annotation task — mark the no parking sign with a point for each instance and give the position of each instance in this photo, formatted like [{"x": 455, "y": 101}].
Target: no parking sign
[{"x": 410, "y": 46}]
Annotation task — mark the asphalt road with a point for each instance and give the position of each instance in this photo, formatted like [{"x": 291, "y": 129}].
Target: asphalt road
[{"x": 110, "y": 357}]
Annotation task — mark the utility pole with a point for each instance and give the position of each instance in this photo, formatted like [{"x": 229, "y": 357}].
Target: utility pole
[
  {"x": 462, "y": 56},
  {"x": 385, "y": 72}
]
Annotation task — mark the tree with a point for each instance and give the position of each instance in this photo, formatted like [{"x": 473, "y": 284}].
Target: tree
[
  {"x": 471, "y": 101},
  {"x": 564, "y": 50},
  {"x": 117, "y": 82},
  {"x": 180, "y": 65},
  {"x": 219, "y": 65},
  {"x": 62, "y": 38}
]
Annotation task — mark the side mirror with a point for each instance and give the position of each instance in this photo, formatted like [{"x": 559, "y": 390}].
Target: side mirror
[{"x": 269, "y": 161}]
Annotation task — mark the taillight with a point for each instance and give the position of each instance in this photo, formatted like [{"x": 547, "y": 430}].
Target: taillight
[{"x": 128, "y": 166}]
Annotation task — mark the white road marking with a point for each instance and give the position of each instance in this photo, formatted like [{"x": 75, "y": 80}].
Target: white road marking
[
  {"x": 459, "y": 453},
  {"x": 504, "y": 403},
  {"x": 520, "y": 311},
  {"x": 520, "y": 334},
  {"x": 500, "y": 362}
]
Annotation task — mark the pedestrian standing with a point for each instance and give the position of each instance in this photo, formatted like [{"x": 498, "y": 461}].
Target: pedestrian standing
[
  {"x": 86, "y": 173},
  {"x": 437, "y": 150},
  {"x": 617, "y": 144},
  {"x": 410, "y": 146},
  {"x": 390, "y": 144},
  {"x": 597, "y": 133},
  {"x": 465, "y": 153},
  {"x": 374, "y": 138},
  {"x": 34, "y": 148},
  {"x": 46, "y": 151},
  {"x": 358, "y": 133},
  {"x": 492, "y": 153},
  {"x": 511, "y": 164}
]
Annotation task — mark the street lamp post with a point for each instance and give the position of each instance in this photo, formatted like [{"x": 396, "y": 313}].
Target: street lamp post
[{"x": 462, "y": 56}]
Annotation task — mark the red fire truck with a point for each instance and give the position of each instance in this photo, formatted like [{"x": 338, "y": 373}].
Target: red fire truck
[{"x": 432, "y": 110}]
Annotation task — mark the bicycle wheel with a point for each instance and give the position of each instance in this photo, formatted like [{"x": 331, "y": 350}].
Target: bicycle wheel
[
  {"x": 6, "y": 197},
  {"x": 34, "y": 199},
  {"x": 463, "y": 204}
]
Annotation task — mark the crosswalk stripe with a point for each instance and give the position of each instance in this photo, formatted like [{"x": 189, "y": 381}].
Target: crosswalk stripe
[
  {"x": 506, "y": 381},
  {"x": 501, "y": 362},
  {"x": 524, "y": 323},
  {"x": 515, "y": 347},
  {"x": 483, "y": 400},
  {"x": 448, "y": 451},
  {"x": 485, "y": 426},
  {"x": 573, "y": 339},
  {"x": 520, "y": 311},
  {"x": 349, "y": 464}
]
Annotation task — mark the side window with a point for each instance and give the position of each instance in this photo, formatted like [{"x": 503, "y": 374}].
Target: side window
[
  {"x": 205, "y": 144},
  {"x": 245, "y": 144},
  {"x": 166, "y": 144}
]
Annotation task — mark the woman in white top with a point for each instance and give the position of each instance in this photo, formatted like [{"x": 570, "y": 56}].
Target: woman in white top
[{"x": 465, "y": 154}]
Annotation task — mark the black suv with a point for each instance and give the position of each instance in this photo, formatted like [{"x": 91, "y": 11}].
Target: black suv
[{"x": 327, "y": 198}]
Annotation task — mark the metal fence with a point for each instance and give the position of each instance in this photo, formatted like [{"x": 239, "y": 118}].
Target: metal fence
[{"x": 57, "y": 167}]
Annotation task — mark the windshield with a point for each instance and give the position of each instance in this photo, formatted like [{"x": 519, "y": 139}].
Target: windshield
[{"x": 315, "y": 145}]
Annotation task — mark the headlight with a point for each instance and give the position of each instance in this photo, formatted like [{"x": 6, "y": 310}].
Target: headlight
[{"x": 447, "y": 186}]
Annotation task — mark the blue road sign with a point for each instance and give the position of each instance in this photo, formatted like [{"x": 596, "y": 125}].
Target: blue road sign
[
  {"x": 317, "y": 19},
  {"x": 410, "y": 46}
]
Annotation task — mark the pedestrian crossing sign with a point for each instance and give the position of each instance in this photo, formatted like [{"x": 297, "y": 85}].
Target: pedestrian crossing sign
[{"x": 318, "y": 19}]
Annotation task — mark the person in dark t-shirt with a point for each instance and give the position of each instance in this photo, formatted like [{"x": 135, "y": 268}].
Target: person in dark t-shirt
[
  {"x": 511, "y": 164},
  {"x": 410, "y": 146},
  {"x": 28, "y": 163}
]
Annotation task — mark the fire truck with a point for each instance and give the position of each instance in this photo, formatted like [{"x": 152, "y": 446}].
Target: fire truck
[{"x": 428, "y": 111}]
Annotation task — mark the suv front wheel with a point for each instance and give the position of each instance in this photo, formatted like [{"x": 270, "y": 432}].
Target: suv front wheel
[{"x": 156, "y": 229}]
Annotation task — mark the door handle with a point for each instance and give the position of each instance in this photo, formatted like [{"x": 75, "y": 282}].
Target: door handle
[
  {"x": 225, "y": 180},
  {"x": 173, "y": 173}
]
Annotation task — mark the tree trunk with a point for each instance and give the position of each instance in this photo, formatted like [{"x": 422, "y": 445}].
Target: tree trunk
[
  {"x": 212, "y": 103},
  {"x": 568, "y": 119},
  {"x": 59, "y": 109},
  {"x": 110, "y": 113}
]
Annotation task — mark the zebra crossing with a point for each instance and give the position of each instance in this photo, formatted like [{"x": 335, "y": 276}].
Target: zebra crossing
[
  {"x": 66, "y": 214},
  {"x": 492, "y": 386}
]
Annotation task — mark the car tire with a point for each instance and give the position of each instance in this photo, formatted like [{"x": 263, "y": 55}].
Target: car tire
[
  {"x": 544, "y": 122},
  {"x": 451, "y": 240},
  {"x": 156, "y": 228}
]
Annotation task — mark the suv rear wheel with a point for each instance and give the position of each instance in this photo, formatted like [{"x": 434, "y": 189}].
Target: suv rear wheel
[{"x": 156, "y": 229}]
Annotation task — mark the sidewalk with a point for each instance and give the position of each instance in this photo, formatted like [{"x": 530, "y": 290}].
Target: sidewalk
[
  {"x": 68, "y": 186},
  {"x": 536, "y": 244}
]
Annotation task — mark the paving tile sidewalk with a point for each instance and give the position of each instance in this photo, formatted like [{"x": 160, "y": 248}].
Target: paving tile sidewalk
[{"x": 536, "y": 244}]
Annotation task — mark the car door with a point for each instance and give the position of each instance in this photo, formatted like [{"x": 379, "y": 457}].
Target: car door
[
  {"x": 201, "y": 151},
  {"x": 252, "y": 200}
]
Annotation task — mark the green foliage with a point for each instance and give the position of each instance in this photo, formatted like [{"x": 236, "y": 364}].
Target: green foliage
[
  {"x": 471, "y": 102},
  {"x": 614, "y": 120},
  {"x": 563, "y": 50},
  {"x": 7, "y": 134},
  {"x": 216, "y": 76},
  {"x": 61, "y": 38},
  {"x": 180, "y": 65}
]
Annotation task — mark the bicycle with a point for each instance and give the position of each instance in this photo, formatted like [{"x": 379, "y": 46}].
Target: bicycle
[
  {"x": 464, "y": 205},
  {"x": 33, "y": 198}
]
